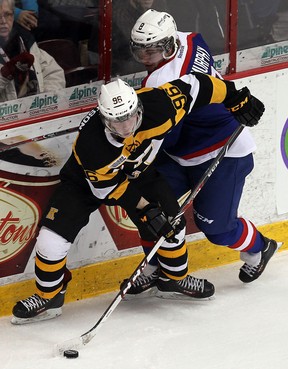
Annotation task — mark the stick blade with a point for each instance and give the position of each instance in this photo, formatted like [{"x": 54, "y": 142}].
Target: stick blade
[{"x": 72, "y": 344}]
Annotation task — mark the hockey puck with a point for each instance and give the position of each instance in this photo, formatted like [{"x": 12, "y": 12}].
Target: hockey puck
[{"x": 71, "y": 354}]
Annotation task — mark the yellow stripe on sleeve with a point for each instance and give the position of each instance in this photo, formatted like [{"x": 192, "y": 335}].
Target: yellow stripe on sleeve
[
  {"x": 219, "y": 90},
  {"x": 155, "y": 132},
  {"x": 74, "y": 151}
]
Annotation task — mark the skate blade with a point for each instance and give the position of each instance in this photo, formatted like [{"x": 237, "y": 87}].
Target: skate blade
[
  {"x": 49, "y": 314},
  {"x": 146, "y": 294},
  {"x": 180, "y": 296}
]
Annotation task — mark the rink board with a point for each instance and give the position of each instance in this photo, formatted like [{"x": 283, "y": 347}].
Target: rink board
[{"x": 107, "y": 249}]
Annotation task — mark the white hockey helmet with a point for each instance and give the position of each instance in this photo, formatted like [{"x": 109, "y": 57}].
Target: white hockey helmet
[
  {"x": 120, "y": 108},
  {"x": 154, "y": 29}
]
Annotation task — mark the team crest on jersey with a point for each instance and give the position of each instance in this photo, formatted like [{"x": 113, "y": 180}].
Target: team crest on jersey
[{"x": 132, "y": 147}]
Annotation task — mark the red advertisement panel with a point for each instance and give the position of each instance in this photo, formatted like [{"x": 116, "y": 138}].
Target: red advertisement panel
[
  {"x": 28, "y": 177},
  {"x": 22, "y": 199}
]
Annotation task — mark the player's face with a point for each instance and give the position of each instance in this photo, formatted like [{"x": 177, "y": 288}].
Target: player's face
[
  {"x": 150, "y": 57},
  {"x": 126, "y": 128}
]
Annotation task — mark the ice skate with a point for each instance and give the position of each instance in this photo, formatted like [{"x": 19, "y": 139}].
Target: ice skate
[
  {"x": 185, "y": 289},
  {"x": 145, "y": 284},
  {"x": 256, "y": 263},
  {"x": 35, "y": 308}
]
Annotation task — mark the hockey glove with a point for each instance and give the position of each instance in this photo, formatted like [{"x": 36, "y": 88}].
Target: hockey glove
[
  {"x": 18, "y": 65},
  {"x": 246, "y": 108},
  {"x": 157, "y": 223}
]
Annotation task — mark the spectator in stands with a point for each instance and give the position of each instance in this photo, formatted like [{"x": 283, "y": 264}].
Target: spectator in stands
[
  {"x": 25, "y": 69},
  {"x": 255, "y": 22},
  {"x": 125, "y": 14},
  {"x": 206, "y": 17},
  {"x": 26, "y": 13},
  {"x": 85, "y": 3},
  {"x": 70, "y": 19},
  {"x": 263, "y": 16}
]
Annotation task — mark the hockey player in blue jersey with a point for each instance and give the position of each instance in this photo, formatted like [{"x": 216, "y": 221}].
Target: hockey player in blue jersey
[{"x": 168, "y": 54}]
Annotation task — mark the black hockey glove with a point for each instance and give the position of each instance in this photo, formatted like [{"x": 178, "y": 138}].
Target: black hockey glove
[
  {"x": 246, "y": 108},
  {"x": 157, "y": 223}
]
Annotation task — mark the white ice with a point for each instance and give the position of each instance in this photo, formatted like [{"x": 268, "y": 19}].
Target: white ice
[{"x": 243, "y": 327}]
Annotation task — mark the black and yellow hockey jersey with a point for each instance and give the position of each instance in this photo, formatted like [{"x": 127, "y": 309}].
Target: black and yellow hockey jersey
[{"x": 111, "y": 166}]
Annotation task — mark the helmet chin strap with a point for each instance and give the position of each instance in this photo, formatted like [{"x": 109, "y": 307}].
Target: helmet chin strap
[{"x": 176, "y": 47}]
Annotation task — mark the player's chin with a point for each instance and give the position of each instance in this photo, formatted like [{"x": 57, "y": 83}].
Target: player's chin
[
  {"x": 127, "y": 135},
  {"x": 150, "y": 67}
]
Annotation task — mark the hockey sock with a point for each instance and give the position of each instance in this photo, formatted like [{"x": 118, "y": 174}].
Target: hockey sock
[{"x": 147, "y": 247}]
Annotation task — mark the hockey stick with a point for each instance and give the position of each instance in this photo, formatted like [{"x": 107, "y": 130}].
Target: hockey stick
[
  {"x": 38, "y": 138},
  {"x": 78, "y": 342}
]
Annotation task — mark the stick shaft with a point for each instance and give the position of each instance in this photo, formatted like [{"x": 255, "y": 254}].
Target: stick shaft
[
  {"x": 87, "y": 336},
  {"x": 38, "y": 138},
  {"x": 187, "y": 202}
]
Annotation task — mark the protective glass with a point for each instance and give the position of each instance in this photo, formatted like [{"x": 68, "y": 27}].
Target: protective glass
[
  {"x": 147, "y": 55},
  {"x": 126, "y": 125}
]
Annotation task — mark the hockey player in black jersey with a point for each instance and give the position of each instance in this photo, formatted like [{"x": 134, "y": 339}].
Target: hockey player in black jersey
[{"x": 111, "y": 164}]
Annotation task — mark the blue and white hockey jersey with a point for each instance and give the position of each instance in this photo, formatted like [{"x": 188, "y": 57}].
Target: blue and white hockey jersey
[{"x": 205, "y": 130}]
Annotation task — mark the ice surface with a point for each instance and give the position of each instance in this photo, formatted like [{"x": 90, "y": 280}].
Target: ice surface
[{"x": 243, "y": 327}]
